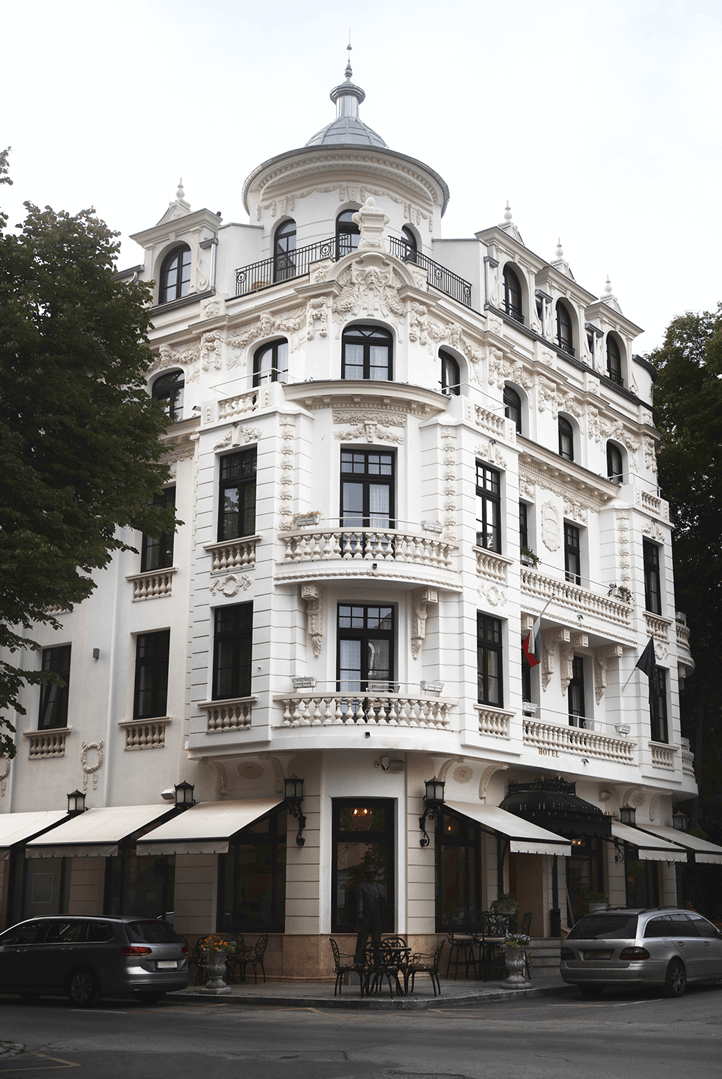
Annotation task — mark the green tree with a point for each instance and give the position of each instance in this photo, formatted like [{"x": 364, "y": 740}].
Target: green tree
[
  {"x": 79, "y": 436},
  {"x": 688, "y": 401}
]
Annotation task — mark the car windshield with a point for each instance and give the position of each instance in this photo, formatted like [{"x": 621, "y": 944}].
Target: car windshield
[
  {"x": 152, "y": 933},
  {"x": 621, "y": 926}
]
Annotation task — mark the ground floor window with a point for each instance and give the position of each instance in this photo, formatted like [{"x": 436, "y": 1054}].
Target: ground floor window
[
  {"x": 458, "y": 846},
  {"x": 585, "y": 873},
  {"x": 642, "y": 880},
  {"x": 363, "y": 840},
  {"x": 252, "y": 878},
  {"x": 45, "y": 883},
  {"x": 139, "y": 884}
]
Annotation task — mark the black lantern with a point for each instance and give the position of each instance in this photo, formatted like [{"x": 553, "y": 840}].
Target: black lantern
[
  {"x": 184, "y": 795},
  {"x": 434, "y": 799},
  {"x": 680, "y": 821},
  {"x": 628, "y": 815},
  {"x": 294, "y": 797},
  {"x": 76, "y": 802}
]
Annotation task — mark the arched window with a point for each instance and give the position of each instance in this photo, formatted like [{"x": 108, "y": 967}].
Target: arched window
[
  {"x": 512, "y": 406},
  {"x": 175, "y": 274},
  {"x": 512, "y": 294},
  {"x": 284, "y": 251},
  {"x": 566, "y": 439},
  {"x": 348, "y": 233},
  {"x": 412, "y": 248},
  {"x": 614, "y": 361},
  {"x": 367, "y": 353},
  {"x": 564, "y": 329},
  {"x": 168, "y": 391},
  {"x": 270, "y": 363},
  {"x": 450, "y": 376},
  {"x": 615, "y": 464}
]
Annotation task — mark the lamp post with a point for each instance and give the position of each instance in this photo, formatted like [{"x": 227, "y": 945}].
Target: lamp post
[
  {"x": 184, "y": 795},
  {"x": 434, "y": 800},
  {"x": 76, "y": 802},
  {"x": 294, "y": 796}
]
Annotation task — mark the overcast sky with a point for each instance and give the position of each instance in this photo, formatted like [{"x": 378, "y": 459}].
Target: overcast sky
[{"x": 601, "y": 123}]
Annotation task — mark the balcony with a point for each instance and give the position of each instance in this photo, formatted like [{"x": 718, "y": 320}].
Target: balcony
[
  {"x": 153, "y": 584},
  {"x": 568, "y": 594},
  {"x": 45, "y": 744},
  {"x": 494, "y": 722},
  {"x": 379, "y": 545},
  {"x": 662, "y": 756},
  {"x": 233, "y": 554},
  {"x": 145, "y": 733},
  {"x": 551, "y": 739},
  {"x": 491, "y": 565},
  {"x": 294, "y": 264},
  {"x": 385, "y": 709},
  {"x": 228, "y": 715}
]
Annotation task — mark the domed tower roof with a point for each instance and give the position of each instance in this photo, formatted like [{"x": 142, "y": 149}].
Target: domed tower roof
[{"x": 346, "y": 129}]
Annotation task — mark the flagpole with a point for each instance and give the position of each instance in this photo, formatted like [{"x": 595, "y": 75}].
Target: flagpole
[{"x": 634, "y": 668}]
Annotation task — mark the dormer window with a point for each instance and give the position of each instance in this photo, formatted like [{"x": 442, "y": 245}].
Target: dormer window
[
  {"x": 614, "y": 362},
  {"x": 270, "y": 363},
  {"x": 175, "y": 274},
  {"x": 348, "y": 233},
  {"x": 284, "y": 251},
  {"x": 512, "y": 295},
  {"x": 564, "y": 329},
  {"x": 168, "y": 392},
  {"x": 450, "y": 377}
]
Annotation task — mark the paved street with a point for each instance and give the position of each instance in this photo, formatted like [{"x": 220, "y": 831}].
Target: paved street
[{"x": 639, "y": 1036}]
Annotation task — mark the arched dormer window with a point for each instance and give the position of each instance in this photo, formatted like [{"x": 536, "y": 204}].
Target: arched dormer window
[
  {"x": 566, "y": 439},
  {"x": 512, "y": 406},
  {"x": 512, "y": 295},
  {"x": 270, "y": 363},
  {"x": 367, "y": 352},
  {"x": 450, "y": 375},
  {"x": 564, "y": 328},
  {"x": 284, "y": 251},
  {"x": 614, "y": 361},
  {"x": 615, "y": 464},
  {"x": 168, "y": 392},
  {"x": 412, "y": 248},
  {"x": 175, "y": 274},
  {"x": 348, "y": 233}
]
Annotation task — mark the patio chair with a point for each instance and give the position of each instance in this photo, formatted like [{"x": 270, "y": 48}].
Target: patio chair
[
  {"x": 463, "y": 941},
  {"x": 424, "y": 963},
  {"x": 344, "y": 964},
  {"x": 254, "y": 955},
  {"x": 233, "y": 960},
  {"x": 381, "y": 961}
]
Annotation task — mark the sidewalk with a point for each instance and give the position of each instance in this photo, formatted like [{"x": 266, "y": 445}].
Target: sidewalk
[{"x": 320, "y": 994}]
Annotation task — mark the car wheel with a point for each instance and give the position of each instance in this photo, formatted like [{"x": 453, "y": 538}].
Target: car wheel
[
  {"x": 675, "y": 981},
  {"x": 150, "y": 997},
  {"x": 82, "y": 989},
  {"x": 594, "y": 991}
]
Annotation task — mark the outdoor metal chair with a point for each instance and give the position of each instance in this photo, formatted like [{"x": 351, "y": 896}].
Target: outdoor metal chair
[
  {"x": 233, "y": 960},
  {"x": 344, "y": 964},
  {"x": 424, "y": 963},
  {"x": 463, "y": 941},
  {"x": 254, "y": 955},
  {"x": 381, "y": 961}
]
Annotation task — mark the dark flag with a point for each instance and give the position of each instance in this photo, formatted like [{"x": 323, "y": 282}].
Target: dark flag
[{"x": 647, "y": 663}]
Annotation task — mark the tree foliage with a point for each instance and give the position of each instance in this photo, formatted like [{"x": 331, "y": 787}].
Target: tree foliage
[
  {"x": 688, "y": 401},
  {"x": 79, "y": 435}
]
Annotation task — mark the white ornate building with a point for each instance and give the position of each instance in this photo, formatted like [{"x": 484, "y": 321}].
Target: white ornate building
[{"x": 389, "y": 451}]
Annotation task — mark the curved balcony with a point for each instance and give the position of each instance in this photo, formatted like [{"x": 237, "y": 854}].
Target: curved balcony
[
  {"x": 551, "y": 739},
  {"x": 386, "y": 709}
]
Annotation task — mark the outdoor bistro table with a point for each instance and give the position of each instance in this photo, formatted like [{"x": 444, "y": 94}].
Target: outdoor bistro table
[{"x": 384, "y": 960}]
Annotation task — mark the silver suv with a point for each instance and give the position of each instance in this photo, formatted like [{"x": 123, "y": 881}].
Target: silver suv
[
  {"x": 662, "y": 946},
  {"x": 87, "y": 958}
]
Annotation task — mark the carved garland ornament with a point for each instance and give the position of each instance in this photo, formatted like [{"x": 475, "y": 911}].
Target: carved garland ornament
[
  {"x": 230, "y": 585},
  {"x": 288, "y": 424},
  {"x": 313, "y": 595},
  {"x": 368, "y": 424},
  {"x": 448, "y": 437},
  {"x": 91, "y": 769},
  {"x": 421, "y": 598}
]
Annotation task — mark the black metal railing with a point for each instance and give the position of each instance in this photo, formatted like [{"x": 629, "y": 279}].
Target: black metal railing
[
  {"x": 438, "y": 276},
  {"x": 565, "y": 346},
  {"x": 514, "y": 312},
  {"x": 615, "y": 376},
  {"x": 283, "y": 267}
]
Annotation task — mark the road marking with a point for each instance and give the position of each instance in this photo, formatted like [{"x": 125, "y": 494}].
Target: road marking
[{"x": 56, "y": 1066}]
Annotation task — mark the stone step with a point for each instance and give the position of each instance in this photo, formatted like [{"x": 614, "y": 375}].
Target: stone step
[{"x": 544, "y": 953}]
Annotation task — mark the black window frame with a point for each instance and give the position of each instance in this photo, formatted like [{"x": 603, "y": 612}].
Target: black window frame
[
  {"x": 488, "y": 493},
  {"x": 565, "y": 329},
  {"x": 54, "y": 697},
  {"x": 176, "y": 262},
  {"x": 348, "y": 234},
  {"x": 125, "y": 871},
  {"x": 450, "y": 373},
  {"x": 278, "y": 371},
  {"x": 615, "y": 464},
  {"x": 490, "y": 654},
  {"x": 156, "y": 552},
  {"x": 367, "y": 337},
  {"x": 364, "y": 633},
  {"x": 512, "y": 406},
  {"x": 168, "y": 390},
  {"x": 658, "y": 715},
  {"x": 652, "y": 577},
  {"x": 385, "y": 836},
  {"x": 463, "y": 834},
  {"x": 412, "y": 244},
  {"x": 232, "y": 636},
  {"x": 512, "y": 294},
  {"x": 233, "y": 868},
  {"x": 566, "y": 439},
  {"x": 526, "y": 680},
  {"x": 524, "y": 525},
  {"x": 284, "y": 251},
  {"x": 572, "y": 553},
  {"x": 576, "y": 693},
  {"x": 365, "y": 468},
  {"x": 152, "y": 656},
  {"x": 614, "y": 361},
  {"x": 237, "y": 471}
]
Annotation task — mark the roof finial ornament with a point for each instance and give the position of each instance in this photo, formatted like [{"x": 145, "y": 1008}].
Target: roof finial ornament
[
  {"x": 180, "y": 193},
  {"x": 348, "y": 72},
  {"x": 608, "y": 288},
  {"x": 507, "y": 213},
  {"x": 560, "y": 252}
]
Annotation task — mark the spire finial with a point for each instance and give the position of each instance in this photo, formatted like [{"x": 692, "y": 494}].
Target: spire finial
[
  {"x": 507, "y": 213},
  {"x": 608, "y": 287},
  {"x": 560, "y": 252},
  {"x": 180, "y": 193},
  {"x": 348, "y": 72}
]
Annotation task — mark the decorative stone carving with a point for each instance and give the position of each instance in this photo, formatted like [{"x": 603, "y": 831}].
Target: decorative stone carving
[
  {"x": 462, "y": 774},
  {"x": 213, "y": 307},
  {"x": 316, "y": 318},
  {"x": 288, "y": 426},
  {"x": 547, "y": 396},
  {"x": 292, "y": 324},
  {"x": 651, "y": 528},
  {"x": 210, "y": 350},
  {"x": 184, "y": 448},
  {"x": 171, "y": 357},
  {"x": 654, "y": 807},
  {"x": 4, "y": 773},
  {"x": 492, "y": 453},
  {"x": 368, "y": 424},
  {"x": 371, "y": 221},
  {"x": 252, "y": 770},
  {"x": 230, "y": 585},
  {"x": 548, "y": 647},
  {"x": 313, "y": 595},
  {"x": 221, "y": 774},
  {"x": 573, "y": 508},
  {"x": 486, "y": 777},
  {"x": 421, "y": 598},
  {"x": 633, "y": 796},
  {"x": 369, "y": 286},
  {"x": 448, "y": 438},
  {"x": 502, "y": 369},
  {"x": 91, "y": 767},
  {"x": 601, "y": 660},
  {"x": 566, "y": 656},
  {"x": 493, "y": 594},
  {"x": 650, "y": 455},
  {"x": 624, "y": 552},
  {"x": 550, "y": 526}
]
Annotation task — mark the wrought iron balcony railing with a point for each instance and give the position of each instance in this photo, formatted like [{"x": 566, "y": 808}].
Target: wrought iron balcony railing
[{"x": 438, "y": 276}]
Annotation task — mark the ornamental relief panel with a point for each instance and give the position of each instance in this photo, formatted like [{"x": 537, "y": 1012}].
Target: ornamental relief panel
[
  {"x": 624, "y": 550},
  {"x": 550, "y": 526},
  {"x": 488, "y": 452},
  {"x": 288, "y": 426},
  {"x": 369, "y": 424},
  {"x": 369, "y": 286}
]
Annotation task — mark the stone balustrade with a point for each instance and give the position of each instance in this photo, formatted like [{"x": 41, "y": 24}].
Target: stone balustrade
[
  {"x": 342, "y": 709},
  {"x": 233, "y": 554},
  {"x": 153, "y": 584},
  {"x": 145, "y": 733},
  {"x": 573, "y": 595},
  {"x": 656, "y": 625},
  {"x": 491, "y": 565},
  {"x": 230, "y": 408},
  {"x": 47, "y": 743},
  {"x": 494, "y": 722},
  {"x": 228, "y": 715},
  {"x": 687, "y": 762},
  {"x": 552, "y": 738},
  {"x": 684, "y": 652},
  {"x": 662, "y": 756},
  {"x": 369, "y": 545},
  {"x": 488, "y": 421}
]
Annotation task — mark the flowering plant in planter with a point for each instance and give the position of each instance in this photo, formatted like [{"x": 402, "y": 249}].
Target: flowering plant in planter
[
  {"x": 217, "y": 943},
  {"x": 515, "y": 940},
  {"x": 504, "y": 903}
]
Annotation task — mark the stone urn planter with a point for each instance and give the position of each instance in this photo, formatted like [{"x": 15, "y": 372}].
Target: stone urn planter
[
  {"x": 515, "y": 959},
  {"x": 216, "y": 967}
]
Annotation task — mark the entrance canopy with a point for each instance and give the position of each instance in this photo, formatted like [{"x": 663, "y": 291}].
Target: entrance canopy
[
  {"x": 650, "y": 848},
  {"x": 205, "y": 828},
  {"x": 96, "y": 833},
  {"x": 524, "y": 837},
  {"x": 19, "y": 827},
  {"x": 703, "y": 850}
]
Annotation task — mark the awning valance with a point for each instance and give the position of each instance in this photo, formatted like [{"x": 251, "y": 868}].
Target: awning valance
[
  {"x": 96, "y": 833},
  {"x": 524, "y": 837},
  {"x": 205, "y": 828},
  {"x": 650, "y": 848},
  {"x": 703, "y": 850},
  {"x": 561, "y": 812},
  {"x": 19, "y": 827}
]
